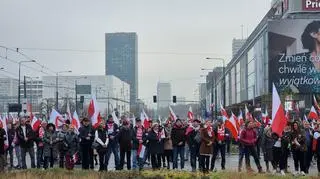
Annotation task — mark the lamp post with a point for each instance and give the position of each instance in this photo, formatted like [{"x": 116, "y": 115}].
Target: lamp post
[
  {"x": 19, "y": 88},
  {"x": 57, "y": 93},
  {"x": 223, "y": 75}
]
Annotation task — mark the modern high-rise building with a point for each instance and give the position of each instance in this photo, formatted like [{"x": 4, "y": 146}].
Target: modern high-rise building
[
  {"x": 164, "y": 95},
  {"x": 122, "y": 59},
  {"x": 236, "y": 45}
]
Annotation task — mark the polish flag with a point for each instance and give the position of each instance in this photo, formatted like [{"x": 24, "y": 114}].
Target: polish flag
[
  {"x": 248, "y": 114},
  {"x": 313, "y": 114},
  {"x": 190, "y": 114},
  {"x": 93, "y": 113},
  {"x": 35, "y": 123},
  {"x": 265, "y": 117},
  {"x": 76, "y": 121},
  {"x": 240, "y": 118},
  {"x": 231, "y": 124},
  {"x": 69, "y": 116},
  {"x": 56, "y": 119},
  {"x": 279, "y": 120},
  {"x": 144, "y": 119},
  {"x": 236, "y": 120},
  {"x": 115, "y": 118},
  {"x": 172, "y": 114},
  {"x": 4, "y": 126},
  {"x": 224, "y": 113},
  {"x": 316, "y": 103},
  {"x": 305, "y": 118}
]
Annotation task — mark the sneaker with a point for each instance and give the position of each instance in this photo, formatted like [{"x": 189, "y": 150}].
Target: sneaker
[
  {"x": 215, "y": 170},
  {"x": 302, "y": 173},
  {"x": 282, "y": 173},
  {"x": 274, "y": 172},
  {"x": 295, "y": 173}
]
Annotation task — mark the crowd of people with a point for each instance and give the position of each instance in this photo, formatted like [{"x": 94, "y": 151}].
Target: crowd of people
[{"x": 133, "y": 144}]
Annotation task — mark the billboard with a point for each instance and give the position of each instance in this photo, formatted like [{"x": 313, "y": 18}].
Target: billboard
[
  {"x": 83, "y": 89},
  {"x": 311, "y": 5},
  {"x": 294, "y": 55}
]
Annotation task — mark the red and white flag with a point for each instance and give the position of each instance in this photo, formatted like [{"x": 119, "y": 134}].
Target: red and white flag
[
  {"x": 265, "y": 117},
  {"x": 240, "y": 118},
  {"x": 35, "y": 123},
  {"x": 305, "y": 118},
  {"x": 279, "y": 120},
  {"x": 313, "y": 114},
  {"x": 315, "y": 102},
  {"x": 94, "y": 113},
  {"x": 172, "y": 114},
  {"x": 231, "y": 124},
  {"x": 76, "y": 121},
  {"x": 248, "y": 114},
  {"x": 56, "y": 119},
  {"x": 4, "y": 126},
  {"x": 115, "y": 118},
  {"x": 235, "y": 118},
  {"x": 224, "y": 113},
  {"x": 190, "y": 114},
  {"x": 145, "y": 119}
]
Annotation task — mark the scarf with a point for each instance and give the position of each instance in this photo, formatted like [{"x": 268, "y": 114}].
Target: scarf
[
  {"x": 221, "y": 133},
  {"x": 210, "y": 131},
  {"x": 110, "y": 128}
]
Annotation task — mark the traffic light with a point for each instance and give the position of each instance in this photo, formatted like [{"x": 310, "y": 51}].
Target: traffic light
[
  {"x": 154, "y": 99},
  {"x": 174, "y": 99}
]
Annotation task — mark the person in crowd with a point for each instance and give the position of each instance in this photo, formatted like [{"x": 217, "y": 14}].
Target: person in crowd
[
  {"x": 26, "y": 137},
  {"x": 317, "y": 146},
  {"x": 267, "y": 147},
  {"x": 178, "y": 142},
  {"x": 156, "y": 146},
  {"x": 249, "y": 139},
  {"x": 11, "y": 133},
  {"x": 168, "y": 148},
  {"x": 206, "y": 146},
  {"x": 220, "y": 145},
  {"x": 260, "y": 133},
  {"x": 49, "y": 150},
  {"x": 187, "y": 152},
  {"x": 3, "y": 137},
  {"x": 86, "y": 134},
  {"x": 138, "y": 137},
  {"x": 309, "y": 136},
  {"x": 285, "y": 143},
  {"x": 101, "y": 138},
  {"x": 243, "y": 152},
  {"x": 40, "y": 145},
  {"x": 299, "y": 148},
  {"x": 16, "y": 145},
  {"x": 194, "y": 141},
  {"x": 61, "y": 149},
  {"x": 113, "y": 147},
  {"x": 163, "y": 157},
  {"x": 125, "y": 138},
  {"x": 71, "y": 143}
]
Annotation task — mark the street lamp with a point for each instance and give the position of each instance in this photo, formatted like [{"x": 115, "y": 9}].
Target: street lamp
[
  {"x": 57, "y": 78},
  {"x": 19, "y": 88},
  {"x": 223, "y": 76}
]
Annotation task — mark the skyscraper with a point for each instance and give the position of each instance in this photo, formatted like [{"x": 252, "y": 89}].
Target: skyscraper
[
  {"x": 164, "y": 95},
  {"x": 122, "y": 59}
]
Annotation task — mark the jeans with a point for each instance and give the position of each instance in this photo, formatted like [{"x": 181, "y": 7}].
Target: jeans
[
  {"x": 124, "y": 152},
  {"x": 48, "y": 159},
  {"x": 277, "y": 159},
  {"x": 40, "y": 159},
  {"x": 115, "y": 150},
  {"x": 23, "y": 157},
  {"x": 216, "y": 149},
  {"x": 2, "y": 162},
  {"x": 298, "y": 158},
  {"x": 252, "y": 151},
  {"x": 194, "y": 152},
  {"x": 62, "y": 154},
  {"x": 10, "y": 151},
  {"x": 204, "y": 163},
  {"x": 243, "y": 152},
  {"x": 87, "y": 157},
  {"x": 308, "y": 159},
  {"x": 178, "y": 150},
  {"x": 136, "y": 160},
  {"x": 102, "y": 156},
  {"x": 156, "y": 161},
  {"x": 18, "y": 155}
]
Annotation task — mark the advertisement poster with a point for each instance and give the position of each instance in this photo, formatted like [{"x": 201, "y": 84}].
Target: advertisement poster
[{"x": 294, "y": 55}]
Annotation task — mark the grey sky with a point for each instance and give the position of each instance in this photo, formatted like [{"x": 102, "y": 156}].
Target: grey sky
[{"x": 184, "y": 28}]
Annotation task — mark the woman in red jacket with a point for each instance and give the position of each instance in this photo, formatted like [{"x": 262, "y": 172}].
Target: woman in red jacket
[{"x": 249, "y": 138}]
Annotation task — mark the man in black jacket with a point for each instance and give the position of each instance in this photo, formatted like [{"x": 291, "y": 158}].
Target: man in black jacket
[
  {"x": 11, "y": 134},
  {"x": 113, "y": 146},
  {"x": 3, "y": 137},
  {"x": 194, "y": 141},
  {"x": 26, "y": 137},
  {"x": 178, "y": 142},
  {"x": 86, "y": 134}
]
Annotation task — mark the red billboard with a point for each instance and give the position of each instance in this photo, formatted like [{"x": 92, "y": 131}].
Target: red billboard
[{"x": 311, "y": 5}]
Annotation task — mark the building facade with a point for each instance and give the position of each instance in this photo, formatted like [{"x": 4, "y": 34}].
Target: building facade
[
  {"x": 122, "y": 59},
  {"x": 236, "y": 45},
  {"x": 111, "y": 93},
  {"x": 164, "y": 95},
  {"x": 8, "y": 93}
]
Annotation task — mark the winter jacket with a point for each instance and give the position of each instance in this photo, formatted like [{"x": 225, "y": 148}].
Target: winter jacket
[
  {"x": 11, "y": 134},
  {"x": 156, "y": 145},
  {"x": 178, "y": 135},
  {"x": 135, "y": 141},
  {"x": 113, "y": 132},
  {"x": 248, "y": 137},
  {"x": 125, "y": 137},
  {"x": 29, "y": 134},
  {"x": 71, "y": 143},
  {"x": 267, "y": 145},
  {"x": 84, "y": 132},
  {"x": 206, "y": 149},
  {"x": 168, "y": 140},
  {"x": 50, "y": 142},
  {"x": 285, "y": 141},
  {"x": 301, "y": 138},
  {"x": 3, "y": 137},
  {"x": 191, "y": 138}
]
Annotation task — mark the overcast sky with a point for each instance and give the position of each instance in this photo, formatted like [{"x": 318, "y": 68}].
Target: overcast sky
[{"x": 174, "y": 36}]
